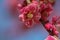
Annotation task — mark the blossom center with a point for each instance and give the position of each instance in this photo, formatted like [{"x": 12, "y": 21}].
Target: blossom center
[{"x": 30, "y": 15}]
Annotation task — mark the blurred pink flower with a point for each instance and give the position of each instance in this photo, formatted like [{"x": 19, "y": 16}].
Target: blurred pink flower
[
  {"x": 50, "y": 38},
  {"x": 30, "y": 14},
  {"x": 45, "y": 4}
]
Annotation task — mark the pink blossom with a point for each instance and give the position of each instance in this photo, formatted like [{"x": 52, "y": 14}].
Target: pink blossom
[
  {"x": 30, "y": 14},
  {"x": 50, "y": 38},
  {"x": 45, "y": 9},
  {"x": 45, "y": 6}
]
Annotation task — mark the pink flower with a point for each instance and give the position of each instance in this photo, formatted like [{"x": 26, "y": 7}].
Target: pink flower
[
  {"x": 46, "y": 13},
  {"x": 45, "y": 5},
  {"x": 50, "y": 38},
  {"x": 45, "y": 9},
  {"x": 30, "y": 14}
]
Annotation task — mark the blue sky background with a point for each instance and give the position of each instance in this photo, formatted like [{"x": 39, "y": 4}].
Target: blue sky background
[{"x": 10, "y": 27}]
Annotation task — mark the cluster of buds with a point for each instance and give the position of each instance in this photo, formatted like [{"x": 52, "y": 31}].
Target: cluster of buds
[
  {"x": 30, "y": 14},
  {"x": 33, "y": 11}
]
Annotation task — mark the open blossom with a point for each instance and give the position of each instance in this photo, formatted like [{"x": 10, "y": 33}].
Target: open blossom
[
  {"x": 51, "y": 38},
  {"x": 31, "y": 11},
  {"x": 52, "y": 28},
  {"x": 30, "y": 14}
]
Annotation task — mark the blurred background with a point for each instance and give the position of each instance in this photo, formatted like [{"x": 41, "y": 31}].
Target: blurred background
[{"x": 12, "y": 29}]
